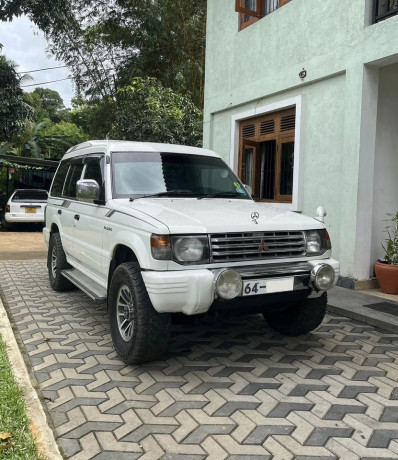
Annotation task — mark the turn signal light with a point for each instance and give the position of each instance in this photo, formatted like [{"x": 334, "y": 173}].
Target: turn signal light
[{"x": 160, "y": 247}]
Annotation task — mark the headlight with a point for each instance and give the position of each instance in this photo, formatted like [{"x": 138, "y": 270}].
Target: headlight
[
  {"x": 190, "y": 249},
  {"x": 317, "y": 242},
  {"x": 322, "y": 277},
  {"x": 183, "y": 249},
  {"x": 228, "y": 283}
]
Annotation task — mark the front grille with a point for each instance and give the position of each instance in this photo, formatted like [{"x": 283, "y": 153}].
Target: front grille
[{"x": 234, "y": 247}]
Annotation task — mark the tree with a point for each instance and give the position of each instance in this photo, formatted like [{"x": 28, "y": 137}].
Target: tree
[
  {"x": 47, "y": 103},
  {"x": 56, "y": 138},
  {"x": 44, "y": 140},
  {"x": 106, "y": 43},
  {"x": 146, "y": 111},
  {"x": 13, "y": 110}
]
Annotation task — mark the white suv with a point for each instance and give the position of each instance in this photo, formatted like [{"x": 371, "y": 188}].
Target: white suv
[{"x": 158, "y": 229}]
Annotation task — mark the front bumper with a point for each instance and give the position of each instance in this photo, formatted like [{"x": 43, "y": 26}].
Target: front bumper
[{"x": 192, "y": 291}]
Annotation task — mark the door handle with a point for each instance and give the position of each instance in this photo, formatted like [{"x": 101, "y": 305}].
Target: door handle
[
  {"x": 76, "y": 217},
  {"x": 59, "y": 211}
]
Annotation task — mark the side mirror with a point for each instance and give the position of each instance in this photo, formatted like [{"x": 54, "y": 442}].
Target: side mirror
[
  {"x": 248, "y": 189},
  {"x": 87, "y": 190},
  {"x": 321, "y": 213}
]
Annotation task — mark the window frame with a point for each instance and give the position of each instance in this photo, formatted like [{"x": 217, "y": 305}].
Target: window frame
[
  {"x": 297, "y": 195},
  {"x": 256, "y": 14},
  {"x": 279, "y": 137}
]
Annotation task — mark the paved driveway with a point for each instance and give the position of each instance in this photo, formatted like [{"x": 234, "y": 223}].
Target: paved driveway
[{"x": 227, "y": 389}]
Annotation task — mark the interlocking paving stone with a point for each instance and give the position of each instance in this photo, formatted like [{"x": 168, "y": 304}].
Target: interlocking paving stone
[{"x": 228, "y": 388}]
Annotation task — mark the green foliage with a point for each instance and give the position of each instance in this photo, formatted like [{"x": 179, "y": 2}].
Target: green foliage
[
  {"x": 47, "y": 104},
  {"x": 13, "y": 109},
  {"x": 17, "y": 442},
  {"x": 94, "y": 118},
  {"x": 391, "y": 244},
  {"x": 56, "y": 138},
  {"x": 106, "y": 43},
  {"x": 44, "y": 140},
  {"x": 146, "y": 111}
]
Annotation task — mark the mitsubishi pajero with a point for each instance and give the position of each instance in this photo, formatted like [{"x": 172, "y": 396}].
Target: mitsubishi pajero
[{"x": 157, "y": 229}]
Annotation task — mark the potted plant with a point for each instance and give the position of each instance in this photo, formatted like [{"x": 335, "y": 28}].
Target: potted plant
[{"x": 387, "y": 269}]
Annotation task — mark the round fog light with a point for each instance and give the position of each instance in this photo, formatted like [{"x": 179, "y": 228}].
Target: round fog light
[
  {"x": 228, "y": 284},
  {"x": 322, "y": 276}
]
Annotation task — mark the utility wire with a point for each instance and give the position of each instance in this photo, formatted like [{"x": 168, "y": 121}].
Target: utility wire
[
  {"x": 45, "y": 82},
  {"x": 40, "y": 70}
]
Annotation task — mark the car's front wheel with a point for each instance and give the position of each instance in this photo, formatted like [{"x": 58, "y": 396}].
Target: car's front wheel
[
  {"x": 301, "y": 318},
  {"x": 138, "y": 331},
  {"x": 56, "y": 262}
]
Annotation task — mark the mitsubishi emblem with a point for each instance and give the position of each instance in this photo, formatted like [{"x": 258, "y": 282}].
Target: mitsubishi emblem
[
  {"x": 255, "y": 216},
  {"x": 263, "y": 246}
]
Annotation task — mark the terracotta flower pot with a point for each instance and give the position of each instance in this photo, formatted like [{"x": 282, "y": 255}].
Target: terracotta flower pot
[{"x": 387, "y": 276}]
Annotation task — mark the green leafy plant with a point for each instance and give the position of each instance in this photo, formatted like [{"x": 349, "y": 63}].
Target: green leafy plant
[{"x": 391, "y": 243}]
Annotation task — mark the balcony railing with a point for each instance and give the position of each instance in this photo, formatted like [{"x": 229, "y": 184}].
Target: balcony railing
[{"x": 384, "y": 9}]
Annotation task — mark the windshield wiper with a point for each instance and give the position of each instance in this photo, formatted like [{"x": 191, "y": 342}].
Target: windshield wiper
[
  {"x": 160, "y": 194},
  {"x": 222, "y": 194}
]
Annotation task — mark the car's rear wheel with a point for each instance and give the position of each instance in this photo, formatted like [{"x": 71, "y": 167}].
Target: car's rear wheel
[
  {"x": 56, "y": 262},
  {"x": 6, "y": 225},
  {"x": 303, "y": 317},
  {"x": 138, "y": 331}
]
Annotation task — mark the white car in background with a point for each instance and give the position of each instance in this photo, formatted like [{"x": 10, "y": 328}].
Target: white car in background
[{"x": 26, "y": 206}]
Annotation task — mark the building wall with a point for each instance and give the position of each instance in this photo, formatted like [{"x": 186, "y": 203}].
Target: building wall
[
  {"x": 386, "y": 158},
  {"x": 260, "y": 65}
]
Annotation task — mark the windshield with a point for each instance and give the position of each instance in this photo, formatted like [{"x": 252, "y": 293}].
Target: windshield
[
  {"x": 137, "y": 174},
  {"x": 30, "y": 195}
]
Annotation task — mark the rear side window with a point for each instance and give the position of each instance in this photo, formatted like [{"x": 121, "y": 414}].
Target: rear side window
[
  {"x": 74, "y": 174},
  {"x": 30, "y": 195},
  {"x": 59, "y": 179}
]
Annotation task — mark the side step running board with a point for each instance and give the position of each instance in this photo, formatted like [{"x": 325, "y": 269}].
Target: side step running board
[{"x": 94, "y": 290}]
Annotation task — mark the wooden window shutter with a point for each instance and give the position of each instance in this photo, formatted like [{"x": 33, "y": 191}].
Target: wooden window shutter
[
  {"x": 248, "y": 130},
  {"x": 240, "y": 8},
  {"x": 288, "y": 122},
  {"x": 267, "y": 127},
  {"x": 283, "y": 2}
]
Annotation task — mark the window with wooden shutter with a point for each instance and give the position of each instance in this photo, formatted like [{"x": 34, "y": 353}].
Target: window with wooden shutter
[
  {"x": 266, "y": 155},
  {"x": 252, "y": 10}
]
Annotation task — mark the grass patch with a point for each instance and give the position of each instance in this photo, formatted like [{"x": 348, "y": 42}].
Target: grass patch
[{"x": 16, "y": 441}]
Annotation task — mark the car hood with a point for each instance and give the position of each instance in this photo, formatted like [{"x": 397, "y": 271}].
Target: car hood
[{"x": 189, "y": 215}]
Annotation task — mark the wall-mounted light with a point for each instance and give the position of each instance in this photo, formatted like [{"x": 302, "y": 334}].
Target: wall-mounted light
[{"x": 303, "y": 74}]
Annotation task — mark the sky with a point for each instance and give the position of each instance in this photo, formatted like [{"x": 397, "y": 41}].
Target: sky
[{"x": 26, "y": 46}]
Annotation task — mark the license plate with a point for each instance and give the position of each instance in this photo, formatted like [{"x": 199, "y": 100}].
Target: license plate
[
  {"x": 257, "y": 287},
  {"x": 30, "y": 210}
]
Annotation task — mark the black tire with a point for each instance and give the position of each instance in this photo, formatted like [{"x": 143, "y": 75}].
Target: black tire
[
  {"x": 6, "y": 225},
  {"x": 56, "y": 262},
  {"x": 300, "y": 319},
  {"x": 139, "y": 333}
]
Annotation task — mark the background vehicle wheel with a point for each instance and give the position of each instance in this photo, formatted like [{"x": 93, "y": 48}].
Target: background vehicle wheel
[
  {"x": 5, "y": 225},
  {"x": 300, "y": 319},
  {"x": 139, "y": 332},
  {"x": 56, "y": 261}
]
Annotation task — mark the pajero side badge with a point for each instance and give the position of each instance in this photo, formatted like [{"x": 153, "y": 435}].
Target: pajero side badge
[{"x": 255, "y": 216}]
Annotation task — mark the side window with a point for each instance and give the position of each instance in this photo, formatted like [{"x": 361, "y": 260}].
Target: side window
[
  {"x": 94, "y": 169},
  {"x": 75, "y": 172},
  {"x": 59, "y": 179}
]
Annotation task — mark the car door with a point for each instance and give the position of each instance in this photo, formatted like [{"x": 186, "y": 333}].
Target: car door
[
  {"x": 67, "y": 206},
  {"x": 88, "y": 219}
]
